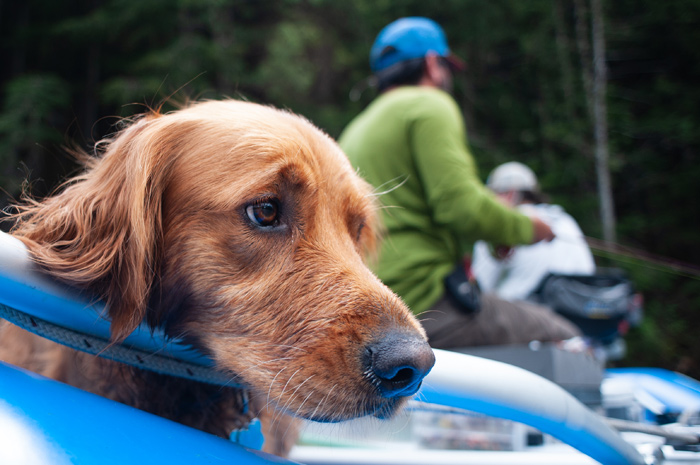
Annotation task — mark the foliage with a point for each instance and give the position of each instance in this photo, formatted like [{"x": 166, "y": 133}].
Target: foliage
[
  {"x": 74, "y": 68},
  {"x": 29, "y": 116}
]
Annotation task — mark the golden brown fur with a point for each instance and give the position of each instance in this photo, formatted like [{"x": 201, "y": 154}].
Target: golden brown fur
[{"x": 159, "y": 226}]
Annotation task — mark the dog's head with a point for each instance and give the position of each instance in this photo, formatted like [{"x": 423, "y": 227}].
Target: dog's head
[{"x": 241, "y": 229}]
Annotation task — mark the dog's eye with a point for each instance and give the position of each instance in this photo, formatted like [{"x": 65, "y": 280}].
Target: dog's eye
[
  {"x": 359, "y": 231},
  {"x": 263, "y": 213}
]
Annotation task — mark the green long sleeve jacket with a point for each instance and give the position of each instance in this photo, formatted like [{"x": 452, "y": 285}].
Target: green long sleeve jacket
[{"x": 410, "y": 144}]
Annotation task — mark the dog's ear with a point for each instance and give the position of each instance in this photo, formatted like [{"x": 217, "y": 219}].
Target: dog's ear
[{"x": 101, "y": 232}]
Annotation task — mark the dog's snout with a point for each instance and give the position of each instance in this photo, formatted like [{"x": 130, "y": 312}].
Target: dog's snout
[{"x": 398, "y": 363}]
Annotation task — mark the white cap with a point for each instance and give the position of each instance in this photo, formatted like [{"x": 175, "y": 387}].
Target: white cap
[{"x": 512, "y": 176}]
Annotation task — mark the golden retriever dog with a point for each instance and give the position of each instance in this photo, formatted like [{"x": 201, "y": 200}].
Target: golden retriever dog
[{"x": 240, "y": 229}]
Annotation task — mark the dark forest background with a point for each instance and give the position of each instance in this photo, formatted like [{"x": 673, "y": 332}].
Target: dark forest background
[{"x": 71, "y": 69}]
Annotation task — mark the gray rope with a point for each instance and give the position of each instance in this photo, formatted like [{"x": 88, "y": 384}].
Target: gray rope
[
  {"x": 681, "y": 436},
  {"x": 104, "y": 348}
]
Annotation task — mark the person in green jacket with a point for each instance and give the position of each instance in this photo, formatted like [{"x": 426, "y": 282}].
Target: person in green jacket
[{"x": 410, "y": 144}]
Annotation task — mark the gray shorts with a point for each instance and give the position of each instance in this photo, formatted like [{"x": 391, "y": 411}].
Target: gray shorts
[{"x": 499, "y": 322}]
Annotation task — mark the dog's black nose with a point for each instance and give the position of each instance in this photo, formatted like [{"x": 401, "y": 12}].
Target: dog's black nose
[{"x": 398, "y": 363}]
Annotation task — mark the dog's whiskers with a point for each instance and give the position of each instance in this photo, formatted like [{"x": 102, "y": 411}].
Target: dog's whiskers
[
  {"x": 237, "y": 376},
  {"x": 284, "y": 388},
  {"x": 291, "y": 396},
  {"x": 377, "y": 193},
  {"x": 285, "y": 408},
  {"x": 269, "y": 391},
  {"x": 372, "y": 378},
  {"x": 320, "y": 403},
  {"x": 280, "y": 410}
]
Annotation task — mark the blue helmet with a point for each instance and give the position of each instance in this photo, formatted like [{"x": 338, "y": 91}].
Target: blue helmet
[{"x": 407, "y": 39}]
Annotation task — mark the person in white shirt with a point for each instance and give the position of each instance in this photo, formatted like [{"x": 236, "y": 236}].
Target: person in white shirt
[{"x": 514, "y": 275}]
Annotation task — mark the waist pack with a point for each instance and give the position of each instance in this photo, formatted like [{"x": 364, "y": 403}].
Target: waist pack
[
  {"x": 604, "y": 295},
  {"x": 462, "y": 289}
]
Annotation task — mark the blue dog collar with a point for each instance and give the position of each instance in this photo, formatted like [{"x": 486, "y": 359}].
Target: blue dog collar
[{"x": 251, "y": 437}]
